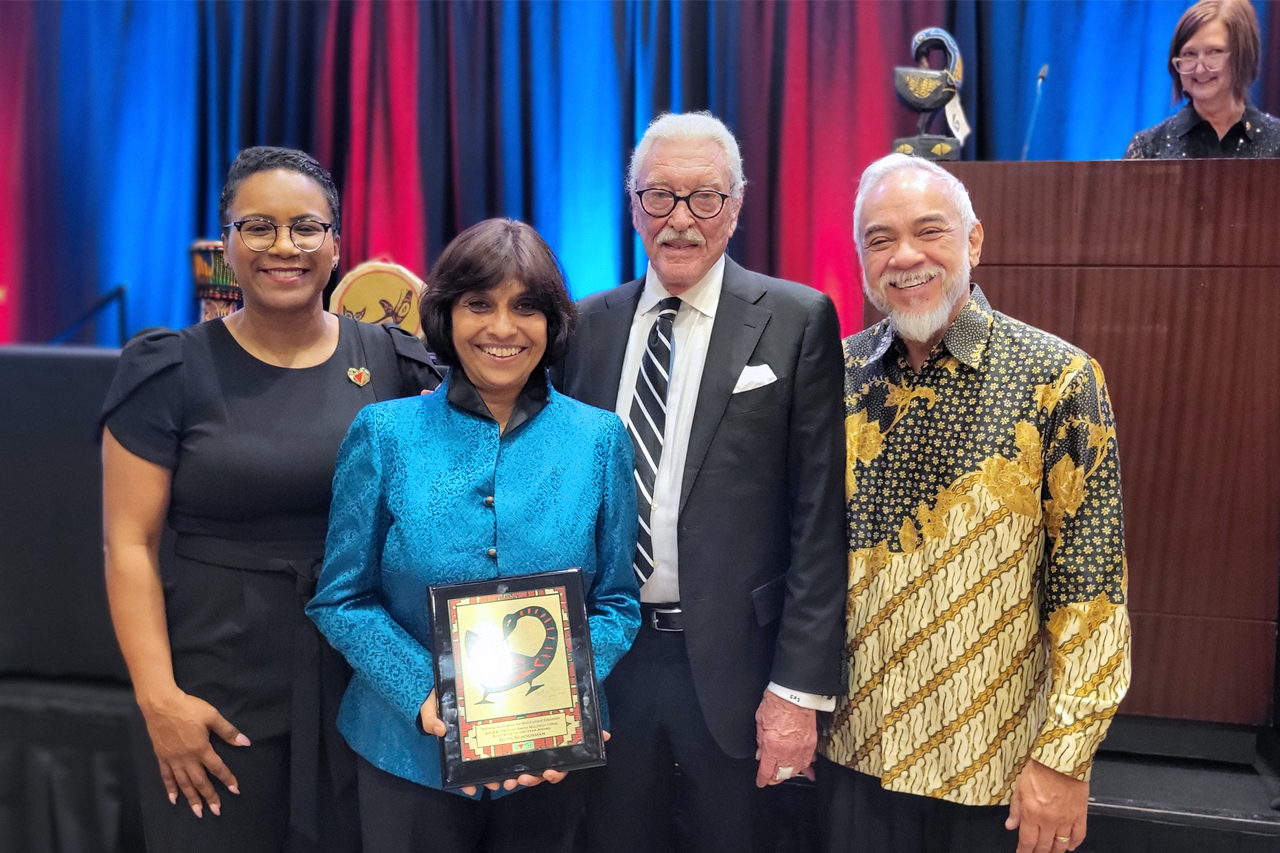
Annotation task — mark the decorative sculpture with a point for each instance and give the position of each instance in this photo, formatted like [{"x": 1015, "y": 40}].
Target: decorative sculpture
[{"x": 929, "y": 91}]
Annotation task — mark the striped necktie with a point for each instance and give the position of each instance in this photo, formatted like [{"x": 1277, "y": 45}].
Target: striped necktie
[{"x": 648, "y": 421}]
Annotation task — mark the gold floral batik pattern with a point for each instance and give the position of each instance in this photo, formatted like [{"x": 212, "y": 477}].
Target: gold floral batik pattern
[{"x": 986, "y": 603}]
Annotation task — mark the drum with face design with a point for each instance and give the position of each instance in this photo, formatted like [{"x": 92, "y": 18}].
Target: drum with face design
[{"x": 378, "y": 292}]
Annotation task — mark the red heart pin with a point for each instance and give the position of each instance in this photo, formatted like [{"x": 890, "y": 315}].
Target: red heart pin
[{"x": 359, "y": 375}]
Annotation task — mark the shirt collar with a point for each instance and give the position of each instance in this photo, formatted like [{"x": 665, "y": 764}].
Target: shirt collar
[
  {"x": 1187, "y": 118},
  {"x": 532, "y": 399},
  {"x": 969, "y": 333},
  {"x": 966, "y": 338},
  {"x": 703, "y": 296}
]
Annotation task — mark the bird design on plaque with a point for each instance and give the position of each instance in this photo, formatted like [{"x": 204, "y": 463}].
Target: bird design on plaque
[{"x": 497, "y": 667}]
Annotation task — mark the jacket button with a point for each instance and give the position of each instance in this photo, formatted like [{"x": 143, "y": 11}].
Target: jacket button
[
  {"x": 493, "y": 552},
  {"x": 488, "y": 501}
]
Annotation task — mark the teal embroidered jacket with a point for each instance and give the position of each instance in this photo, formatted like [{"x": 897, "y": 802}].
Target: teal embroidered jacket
[{"x": 409, "y": 510}]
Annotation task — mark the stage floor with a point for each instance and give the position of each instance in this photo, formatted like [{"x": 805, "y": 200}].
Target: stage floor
[{"x": 1142, "y": 803}]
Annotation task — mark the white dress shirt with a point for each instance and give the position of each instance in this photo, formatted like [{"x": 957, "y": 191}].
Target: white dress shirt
[{"x": 692, "y": 332}]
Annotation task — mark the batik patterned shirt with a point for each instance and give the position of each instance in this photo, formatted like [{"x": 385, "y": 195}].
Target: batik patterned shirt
[{"x": 986, "y": 602}]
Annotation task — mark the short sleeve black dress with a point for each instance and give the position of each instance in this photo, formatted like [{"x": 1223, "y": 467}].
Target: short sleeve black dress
[{"x": 252, "y": 449}]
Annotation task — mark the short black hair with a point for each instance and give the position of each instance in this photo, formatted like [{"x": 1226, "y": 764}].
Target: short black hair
[
  {"x": 483, "y": 257},
  {"x": 265, "y": 158}
]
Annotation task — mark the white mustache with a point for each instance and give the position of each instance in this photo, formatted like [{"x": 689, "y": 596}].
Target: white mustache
[
  {"x": 909, "y": 277},
  {"x": 688, "y": 235}
]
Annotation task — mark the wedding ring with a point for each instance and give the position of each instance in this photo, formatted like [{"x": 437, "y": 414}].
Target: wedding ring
[
  {"x": 784, "y": 773},
  {"x": 1062, "y": 839}
]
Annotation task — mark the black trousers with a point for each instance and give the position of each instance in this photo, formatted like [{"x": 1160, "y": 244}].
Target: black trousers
[
  {"x": 399, "y": 816},
  {"x": 859, "y": 816},
  {"x": 255, "y": 821},
  {"x": 239, "y": 639},
  {"x": 639, "y": 803}
]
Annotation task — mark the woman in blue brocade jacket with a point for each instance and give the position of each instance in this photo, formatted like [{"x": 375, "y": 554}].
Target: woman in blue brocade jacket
[{"x": 493, "y": 474}]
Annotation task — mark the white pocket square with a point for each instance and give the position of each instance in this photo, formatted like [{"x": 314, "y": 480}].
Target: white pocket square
[{"x": 754, "y": 376}]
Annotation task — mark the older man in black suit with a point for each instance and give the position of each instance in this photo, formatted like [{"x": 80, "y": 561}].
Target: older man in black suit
[{"x": 731, "y": 385}]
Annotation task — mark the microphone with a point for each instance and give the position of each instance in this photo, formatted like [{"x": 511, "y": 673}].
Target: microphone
[
  {"x": 1035, "y": 108},
  {"x": 117, "y": 295}
]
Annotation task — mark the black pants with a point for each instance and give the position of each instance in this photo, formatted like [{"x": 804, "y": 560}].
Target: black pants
[
  {"x": 255, "y": 821},
  {"x": 239, "y": 639},
  {"x": 859, "y": 816},
  {"x": 399, "y": 816},
  {"x": 638, "y": 803}
]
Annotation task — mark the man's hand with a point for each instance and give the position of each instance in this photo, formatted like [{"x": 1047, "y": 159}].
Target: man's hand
[
  {"x": 786, "y": 735},
  {"x": 1049, "y": 810}
]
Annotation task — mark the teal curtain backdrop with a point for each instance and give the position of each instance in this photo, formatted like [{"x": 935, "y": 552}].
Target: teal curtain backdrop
[{"x": 118, "y": 119}]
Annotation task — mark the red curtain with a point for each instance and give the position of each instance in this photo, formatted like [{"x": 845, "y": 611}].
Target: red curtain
[
  {"x": 383, "y": 193},
  {"x": 817, "y": 106},
  {"x": 15, "y": 23}
]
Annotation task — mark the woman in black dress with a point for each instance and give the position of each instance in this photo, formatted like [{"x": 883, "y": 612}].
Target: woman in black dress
[
  {"x": 1213, "y": 60},
  {"x": 228, "y": 431}
]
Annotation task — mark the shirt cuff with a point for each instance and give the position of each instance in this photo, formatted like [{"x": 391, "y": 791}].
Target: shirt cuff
[{"x": 812, "y": 701}]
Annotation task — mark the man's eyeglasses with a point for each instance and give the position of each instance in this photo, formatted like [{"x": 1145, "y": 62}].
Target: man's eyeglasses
[
  {"x": 1212, "y": 60},
  {"x": 260, "y": 235},
  {"x": 703, "y": 204}
]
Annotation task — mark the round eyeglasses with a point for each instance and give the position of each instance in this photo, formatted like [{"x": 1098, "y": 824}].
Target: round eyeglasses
[
  {"x": 260, "y": 235},
  {"x": 703, "y": 204},
  {"x": 1212, "y": 60}
]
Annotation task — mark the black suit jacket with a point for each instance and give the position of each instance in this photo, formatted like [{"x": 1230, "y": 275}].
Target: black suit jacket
[{"x": 761, "y": 530}]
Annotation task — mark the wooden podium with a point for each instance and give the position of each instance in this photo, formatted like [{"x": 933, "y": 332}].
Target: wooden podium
[{"x": 1168, "y": 273}]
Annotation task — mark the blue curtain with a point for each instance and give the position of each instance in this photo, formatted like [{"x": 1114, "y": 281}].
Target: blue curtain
[{"x": 126, "y": 127}]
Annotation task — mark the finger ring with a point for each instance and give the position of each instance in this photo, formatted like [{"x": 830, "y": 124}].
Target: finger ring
[
  {"x": 1062, "y": 839},
  {"x": 784, "y": 773}
]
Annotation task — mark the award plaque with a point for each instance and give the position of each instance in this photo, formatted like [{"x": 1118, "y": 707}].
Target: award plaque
[{"x": 515, "y": 679}]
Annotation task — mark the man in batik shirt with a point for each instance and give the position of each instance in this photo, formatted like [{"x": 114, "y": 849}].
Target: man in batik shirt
[{"x": 987, "y": 637}]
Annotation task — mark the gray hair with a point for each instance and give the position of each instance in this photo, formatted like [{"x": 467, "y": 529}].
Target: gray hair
[
  {"x": 879, "y": 171},
  {"x": 695, "y": 127}
]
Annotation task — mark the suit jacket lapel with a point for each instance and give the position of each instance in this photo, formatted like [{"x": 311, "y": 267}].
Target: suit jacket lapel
[
  {"x": 610, "y": 330},
  {"x": 738, "y": 326}
]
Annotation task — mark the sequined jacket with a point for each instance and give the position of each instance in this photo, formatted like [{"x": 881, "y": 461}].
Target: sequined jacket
[
  {"x": 1186, "y": 135},
  {"x": 987, "y": 622},
  {"x": 411, "y": 507}
]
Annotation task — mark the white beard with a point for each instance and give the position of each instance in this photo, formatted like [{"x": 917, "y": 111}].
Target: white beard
[{"x": 924, "y": 325}]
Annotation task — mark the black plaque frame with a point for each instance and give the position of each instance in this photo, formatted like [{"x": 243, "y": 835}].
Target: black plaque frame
[{"x": 462, "y": 762}]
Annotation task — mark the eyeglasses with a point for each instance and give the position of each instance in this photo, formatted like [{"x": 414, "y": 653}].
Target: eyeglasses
[
  {"x": 260, "y": 235},
  {"x": 703, "y": 204},
  {"x": 1212, "y": 60}
]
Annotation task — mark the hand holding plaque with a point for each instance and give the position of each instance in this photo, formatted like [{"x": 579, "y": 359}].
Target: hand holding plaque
[
  {"x": 516, "y": 680},
  {"x": 429, "y": 713}
]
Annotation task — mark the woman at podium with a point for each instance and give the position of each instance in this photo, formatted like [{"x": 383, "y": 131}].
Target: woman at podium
[
  {"x": 1213, "y": 59},
  {"x": 228, "y": 430}
]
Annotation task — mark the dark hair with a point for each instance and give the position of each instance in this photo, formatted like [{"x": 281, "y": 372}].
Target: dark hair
[
  {"x": 483, "y": 257},
  {"x": 264, "y": 158},
  {"x": 1242, "y": 40}
]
